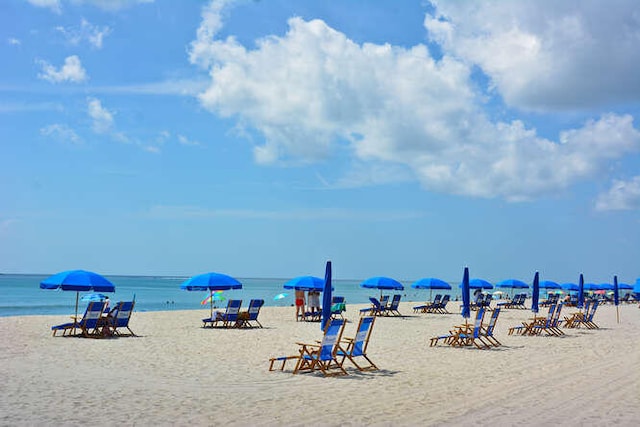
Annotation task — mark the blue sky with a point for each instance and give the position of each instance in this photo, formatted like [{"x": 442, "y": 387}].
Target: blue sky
[{"x": 261, "y": 138}]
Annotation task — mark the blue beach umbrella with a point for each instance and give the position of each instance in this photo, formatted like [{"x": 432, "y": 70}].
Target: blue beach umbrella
[
  {"x": 616, "y": 297},
  {"x": 513, "y": 284},
  {"x": 479, "y": 284},
  {"x": 548, "y": 284},
  {"x": 570, "y": 287},
  {"x": 466, "y": 297},
  {"x": 305, "y": 283},
  {"x": 431, "y": 283},
  {"x": 624, "y": 286},
  {"x": 535, "y": 294},
  {"x": 382, "y": 283},
  {"x": 326, "y": 297},
  {"x": 79, "y": 281},
  {"x": 211, "y": 282},
  {"x": 581, "y": 291}
]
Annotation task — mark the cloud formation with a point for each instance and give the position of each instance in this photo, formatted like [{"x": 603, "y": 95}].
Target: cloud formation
[
  {"x": 71, "y": 71},
  {"x": 623, "y": 195},
  {"x": 102, "y": 118},
  {"x": 109, "y": 5},
  {"x": 61, "y": 133},
  {"x": 92, "y": 34}
]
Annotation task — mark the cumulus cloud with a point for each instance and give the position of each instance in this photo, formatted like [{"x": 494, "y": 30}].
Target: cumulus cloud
[
  {"x": 102, "y": 118},
  {"x": 92, "y": 34},
  {"x": 71, "y": 71},
  {"x": 61, "y": 133},
  {"x": 109, "y": 5},
  {"x": 547, "y": 54},
  {"x": 312, "y": 88},
  {"x": 54, "y": 5},
  {"x": 623, "y": 195}
]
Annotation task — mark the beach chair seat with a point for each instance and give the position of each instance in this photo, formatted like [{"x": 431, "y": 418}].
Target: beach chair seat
[
  {"x": 352, "y": 348},
  {"x": 249, "y": 318},
  {"x": 120, "y": 316}
]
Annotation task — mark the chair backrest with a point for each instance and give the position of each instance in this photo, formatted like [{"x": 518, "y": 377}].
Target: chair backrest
[
  {"x": 123, "y": 313},
  {"x": 479, "y": 299},
  {"x": 332, "y": 336},
  {"x": 233, "y": 309},
  {"x": 590, "y": 314},
  {"x": 362, "y": 336},
  {"x": 93, "y": 313},
  {"x": 552, "y": 309},
  {"x": 437, "y": 299},
  {"x": 254, "y": 308},
  {"x": 477, "y": 327},
  {"x": 556, "y": 315},
  {"x": 337, "y": 300},
  {"x": 487, "y": 300},
  {"x": 375, "y": 303},
  {"x": 445, "y": 300},
  {"x": 395, "y": 302},
  {"x": 384, "y": 300},
  {"x": 492, "y": 321}
]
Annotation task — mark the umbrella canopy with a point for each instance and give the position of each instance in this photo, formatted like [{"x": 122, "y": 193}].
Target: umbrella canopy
[
  {"x": 597, "y": 287},
  {"x": 581, "y": 291},
  {"x": 381, "y": 282},
  {"x": 548, "y": 284},
  {"x": 624, "y": 286},
  {"x": 636, "y": 287},
  {"x": 79, "y": 281},
  {"x": 326, "y": 297},
  {"x": 211, "y": 282},
  {"x": 512, "y": 283},
  {"x": 305, "y": 283},
  {"x": 535, "y": 294},
  {"x": 569, "y": 287},
  {"x": 466, "y": 297},
  {"x": 431, "y": 283},
  {"x": 478, "y": 284}
]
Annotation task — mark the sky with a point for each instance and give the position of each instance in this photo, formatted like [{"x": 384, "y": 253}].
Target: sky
[{"x": 260, "y": 138}]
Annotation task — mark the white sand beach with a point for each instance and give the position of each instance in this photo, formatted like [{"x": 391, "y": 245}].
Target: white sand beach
[{"x": 177, "y": 373}]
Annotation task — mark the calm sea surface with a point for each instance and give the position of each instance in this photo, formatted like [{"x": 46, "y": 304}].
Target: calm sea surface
[{"x": 21, "y": 294}]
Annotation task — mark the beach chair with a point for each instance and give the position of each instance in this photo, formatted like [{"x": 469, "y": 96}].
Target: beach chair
[
  {"x": 453, "y": 338},
  {"x": 587, "y": 318},
  {"x": 486, "y": 303},
  {"x": 357, "y": 347},
  {"x": 120, "y": 316},
  {"x": 423, "y": 308},
  {"x": 376, "y": 309},
  {"x": 441, "y": 307},
  {"x": 393, "y": 307},
  {"x": 575, "y": 319},
  {"x": 509, "y": 304},
  {"x": 71, "y": 326},
  {"x": 338, "y": 306},
  {"x": 89, "y": 324},
  {"x": 487, "y": 332},
  {"x": 227, "y": 319},
  {"x": 534, "y": 326},
  {"x": 464, "y": 337},
  {"x": 479, "y": 302},
  {"x": 322, "y": 356},
  {"x": 246, "y": 318}
]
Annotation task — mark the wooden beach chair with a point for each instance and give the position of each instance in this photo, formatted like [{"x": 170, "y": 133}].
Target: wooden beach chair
[
  {"x": 322, "y": 357},
  {"x": 393, "y": 307},
  {"x": 352, "y": 348},
  {"x": 487, "y": 332},
  {"x": 120, "y": 316},
  {"x": 247, "y": 318},
  {"x": 227, "y": 319},
  {"x": 423, "y": 308}
]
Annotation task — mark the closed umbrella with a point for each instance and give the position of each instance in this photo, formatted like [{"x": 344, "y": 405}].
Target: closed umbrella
[
  {"x": 535, "y": 293},
  {"x": 581, "y": 291},
  {"x": 326, "y": 296},
  {"x": 616, "y": 297},
  {"x": 466, "y": 297}
]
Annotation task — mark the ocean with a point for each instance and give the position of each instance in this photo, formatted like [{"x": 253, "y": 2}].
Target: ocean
[{"x": 20, "y": 294}]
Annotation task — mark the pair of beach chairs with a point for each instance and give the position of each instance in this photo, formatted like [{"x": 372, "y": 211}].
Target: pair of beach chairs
[
  {"x": 552, "y": 299},
  {"x": 479, "y": 335},
  {"x": 516, "y": 302},
  {"x": 550, "y": 324},
  {"x": 438, "y": 305},
  {"x": 232, "y": 317},
  {"x": 329, "y": 355},
  {"x": 380, "y": 308},
  {"x": 95, "y": 324},
  {"x": 583, "y": 318}
]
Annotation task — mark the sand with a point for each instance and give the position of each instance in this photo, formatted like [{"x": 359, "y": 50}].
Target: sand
[{"x": 177, "y": 373}]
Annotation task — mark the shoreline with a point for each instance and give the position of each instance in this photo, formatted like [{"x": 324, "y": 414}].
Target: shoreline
[{"x": 177, "y": 373}]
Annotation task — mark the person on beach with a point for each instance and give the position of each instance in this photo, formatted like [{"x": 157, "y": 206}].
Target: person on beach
[
  {"x": 314, "y": 301},
  {"x": 106, "y": 305},
  {"x": 300, "y": 304}
]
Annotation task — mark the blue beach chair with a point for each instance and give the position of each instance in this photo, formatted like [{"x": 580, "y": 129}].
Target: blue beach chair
[
  {"x": 89, "y": 323},
  {"x": 120, "y": 317},
  {"x": 227, "y": 319},
  {"x": 357, "y": 347},
  {"x": 322, "y": 356},
  {"x": 251, "y": 315}
]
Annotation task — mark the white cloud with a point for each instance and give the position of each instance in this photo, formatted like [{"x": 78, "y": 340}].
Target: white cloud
[
  {"x": 547, "y": 54},
  {"x": 183, "y": 140},
  {"x": 102, "y": 118},
  {"x": 61, "y": 133},
  {"x": 13, "y": 41},
  {"x": 312, "y": 87},
  {"x": 88, "y": 32},
  {"x": 71, "y": 71},
  {"x": 623, "y": 195},
  {"x": 54, "y": 5}
]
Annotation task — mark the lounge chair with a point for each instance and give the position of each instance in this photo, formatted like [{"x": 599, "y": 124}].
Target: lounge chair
[
  {"x": 227, "y": 319},
  {"x": 487, "y": 332},
  {"x": 88, "y": 325},
  {"x": 322, "y": 356},
  {"x": 575, "y": 319},
  {"x": 441, "y": 307},
  {"x": 550, "y": 327},
  {"x": 246, "y": 318},
  {"x": 460, "y": 336},
  {"x": 584, "y": 318},
  {"x": 536, "y": 325},
  {"x": 376, "y": 309},
  {"x": 120, "y": 316},
  {"x": 357, "y": 347}
]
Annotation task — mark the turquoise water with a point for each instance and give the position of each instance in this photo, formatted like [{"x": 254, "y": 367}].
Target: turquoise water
[{"x": 21, "y": 294}]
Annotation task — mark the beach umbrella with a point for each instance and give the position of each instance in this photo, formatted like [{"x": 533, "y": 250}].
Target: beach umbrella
[
  {"x": 431, "y": 283},
  {"x": 581, "y": 291},
  {"x": 535, "y": 293},
  {"x": 548, "y": 284},
  {"x": 513, "y": 284},
  {"x": 466, "y": 297},
  {"x": 570, "y": 287},
  {"x": 305, "y": 283},
  {"x": 624, "y": 286},
  {"x": 326, "y": 296},
  {"x": 213, "y": 296},
  {"x": 382, "y": 283},
  {"x": 79, "y": 281},
  {"x": 479, "y": 284},
  {"x": 616, "y": 297},
  {"x": 211, "y": 282},
  {"x": 279, "y": 296}
]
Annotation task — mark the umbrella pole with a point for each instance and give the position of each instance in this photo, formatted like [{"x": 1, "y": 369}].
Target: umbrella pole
[
  {"x": 617, "y": 314},
  {"x": 211, "y": 304},
  {"x": 75, "y": 318}
]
